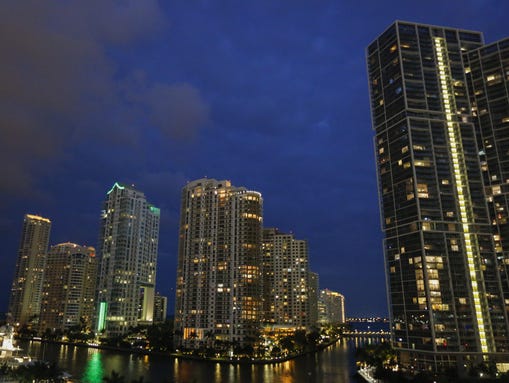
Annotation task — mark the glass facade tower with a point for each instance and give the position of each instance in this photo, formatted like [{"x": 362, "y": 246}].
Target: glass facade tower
[
  {"x": 445, "y": 289},
  {"x": 128, "y": 245},
  {"x": 487, "y": 71}
]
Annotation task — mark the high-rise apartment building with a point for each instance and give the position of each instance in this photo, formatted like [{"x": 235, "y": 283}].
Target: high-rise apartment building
[
  {"x": 332, "y": 307},
  {"x": 487, "y": 72},
  {"x": 268, "y": 276},
  {"x": 160, "y": 308},
  {"x": 69, "y": 287},
  {"x": 286, "y": 279},
  {"x": 128, "y": 256},
  {"x": 438, "y": 110},
  {"x": 25, "y": 301},
  {"x": 219, "y": 283},
  {"x": 313, "y": 283}
]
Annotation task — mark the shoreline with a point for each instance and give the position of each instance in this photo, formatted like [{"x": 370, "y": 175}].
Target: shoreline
[{"x": 232, "y": 360}]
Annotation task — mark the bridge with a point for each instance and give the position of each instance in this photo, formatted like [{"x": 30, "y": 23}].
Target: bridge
[{"x": 367, "y": 334}]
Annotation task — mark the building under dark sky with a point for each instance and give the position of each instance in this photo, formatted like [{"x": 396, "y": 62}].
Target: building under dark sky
[
  {"x": 26, "y": 291},
  {"x": 128, "y": 244},
  {"x": 444, "y": 258}
]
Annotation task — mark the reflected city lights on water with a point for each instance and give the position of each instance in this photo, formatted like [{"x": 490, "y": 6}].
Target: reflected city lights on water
[
  {"x": 94, "y": 369},
  {"x": 88, "y": 365}
]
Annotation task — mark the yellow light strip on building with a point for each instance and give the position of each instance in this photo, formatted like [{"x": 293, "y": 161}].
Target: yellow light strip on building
[
  {"x": 37, "y": 218},
  {"x": 460, "y": 178}
]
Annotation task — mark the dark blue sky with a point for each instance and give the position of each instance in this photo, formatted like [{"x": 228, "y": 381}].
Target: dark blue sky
[{"x": 269, "y": 94}]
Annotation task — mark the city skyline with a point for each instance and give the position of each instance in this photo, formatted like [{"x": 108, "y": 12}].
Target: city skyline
[{"x": 273, "y": 97}]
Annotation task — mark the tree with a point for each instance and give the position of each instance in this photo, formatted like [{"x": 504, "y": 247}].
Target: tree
[
  {"x": 300, "y": 339},
  {"x": 312, "y": 338},
  {"x": 38, "y": 372},
  {"x": 287, "y": 344},
  {"x": 4, "y": 370},
  {"x": 114, "y": 377},
  {"x": 209, "y": 335},
  {"x": 160, "y": 336}
]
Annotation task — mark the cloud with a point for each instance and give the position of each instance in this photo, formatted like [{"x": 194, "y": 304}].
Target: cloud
[
  {"x": 61, "y": 86},
  {"x": 178, "y": 110}
]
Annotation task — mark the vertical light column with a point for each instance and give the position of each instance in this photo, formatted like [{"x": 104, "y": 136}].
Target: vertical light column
[
  {"x": 461, "y": 185},
  {"x": 101, "y": 322}
]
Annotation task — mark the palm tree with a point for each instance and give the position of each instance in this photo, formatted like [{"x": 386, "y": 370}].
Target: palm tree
[{"x": 208, "y": 336}]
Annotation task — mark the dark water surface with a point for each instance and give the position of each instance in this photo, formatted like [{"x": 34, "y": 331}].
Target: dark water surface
[{"x": 335, "y": 364}]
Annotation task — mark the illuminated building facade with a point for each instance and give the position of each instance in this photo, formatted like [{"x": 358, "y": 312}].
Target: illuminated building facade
[
  {"x": 313, "y": 283},
  {"x": 268, "y": 275},
  {"x": 25, "y": 301},
  {"x": 128, "y": 256},
  {"x": 219, "y": 283},
  {"x": 444, "y": 285},
  {"x": 69, "y": 287},
  {"x": 332, "y": 307},
  {"x": 487, "y": 72},
  {"x": 160, "y": 308},
  {"x": 286, "y": 279}
]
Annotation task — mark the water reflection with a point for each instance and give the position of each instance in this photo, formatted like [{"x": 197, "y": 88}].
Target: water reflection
[
  {"x": 91, "y": 365},
  {"x": 93, "y": 369}
]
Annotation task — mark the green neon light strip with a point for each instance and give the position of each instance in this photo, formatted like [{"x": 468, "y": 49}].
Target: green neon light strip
[
  {"x": 101, "y": 323},
  {"x": 116, "y": 185},
  {"x": 155, "y": 210}
]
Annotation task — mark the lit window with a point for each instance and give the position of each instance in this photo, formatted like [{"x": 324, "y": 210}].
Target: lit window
[
  {"x": 422, "y": 191},
  {"x": 424, "y": 163}
]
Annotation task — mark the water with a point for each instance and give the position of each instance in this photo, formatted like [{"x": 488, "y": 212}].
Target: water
[{"x": 335, "y": 364}]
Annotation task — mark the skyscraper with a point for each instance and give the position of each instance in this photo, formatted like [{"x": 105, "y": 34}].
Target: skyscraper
[
  {"x": 487, "y": 72},
  {"x": 219, "y": 290},
  {"x": 286, "y": 279},
  {"x": 25, "y": 302},
  {"x": 128, "y": 256},
  {"x": 313, "y": 283},
  {"x": 69, "y": 287},
  {"x": 160, "y": 308},
  {"x": 443, "y": 276},
  {"x": 332, "y": 306}
]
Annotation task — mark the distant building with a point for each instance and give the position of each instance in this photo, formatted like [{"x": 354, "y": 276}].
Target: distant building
[
  {"x": 160, "y": 308},
  {"x": 25, "y": 301},
  {"x": 440, "y": 112},
  {"x": 286, "y": 279},
  {"x": 69, "y": 287},
  {"x": 128, "y": 254},
  {"x": 331, "y": 307},
  {"x": 219, "y": 282},
  {"x": 313, "y": 283},
  {"x": 268, "y": 275}
]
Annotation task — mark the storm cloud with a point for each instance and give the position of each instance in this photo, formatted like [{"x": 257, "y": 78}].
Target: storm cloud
[{"x": 61, "y": 84}]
